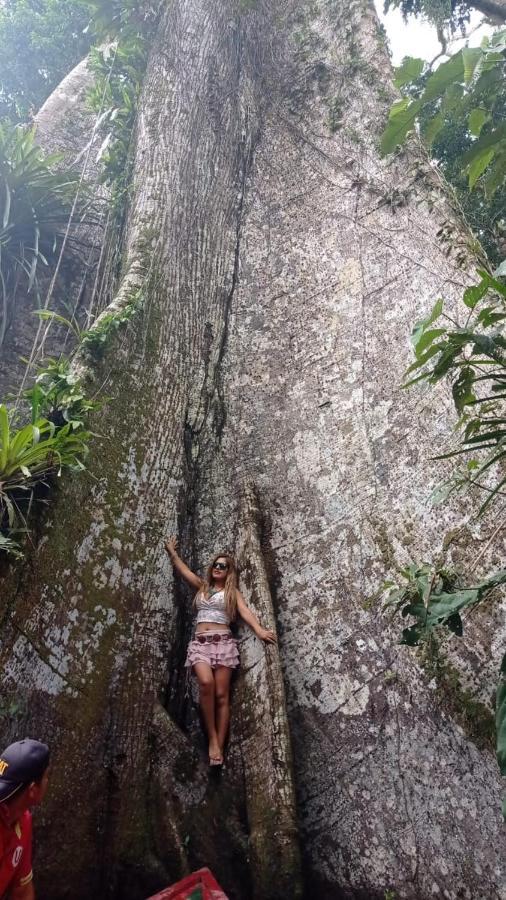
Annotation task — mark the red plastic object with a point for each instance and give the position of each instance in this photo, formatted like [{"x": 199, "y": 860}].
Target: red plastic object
[{"x": 199, "y": 885}]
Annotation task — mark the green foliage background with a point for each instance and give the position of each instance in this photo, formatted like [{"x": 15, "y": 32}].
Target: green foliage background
[{"x": 40, "y": 42}]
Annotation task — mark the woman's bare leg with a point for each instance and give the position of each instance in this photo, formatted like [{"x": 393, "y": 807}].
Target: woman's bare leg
[
  {"x": 222, "y": 676},
  {"x": 205, "y": 677}
]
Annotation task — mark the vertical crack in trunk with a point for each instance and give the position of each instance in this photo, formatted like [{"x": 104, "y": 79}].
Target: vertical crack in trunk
[
  {"x": 263, "y": 734},
  {"x": 206, "y": 435}
]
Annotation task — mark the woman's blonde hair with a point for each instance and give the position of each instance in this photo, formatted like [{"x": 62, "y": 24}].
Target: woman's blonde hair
[{"x": 230, "y": 583}]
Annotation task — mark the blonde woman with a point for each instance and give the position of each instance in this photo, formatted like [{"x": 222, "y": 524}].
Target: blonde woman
[{"x": 213, "y": 653}]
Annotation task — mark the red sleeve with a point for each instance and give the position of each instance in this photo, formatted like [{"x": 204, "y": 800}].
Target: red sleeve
[{"x": 24, "y": 872}]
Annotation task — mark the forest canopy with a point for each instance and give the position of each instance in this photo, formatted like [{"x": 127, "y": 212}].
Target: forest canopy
[{"x": 40, "y": 42}]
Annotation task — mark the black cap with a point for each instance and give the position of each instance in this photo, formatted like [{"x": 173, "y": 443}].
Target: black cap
[{"x": 21, "y": 763}]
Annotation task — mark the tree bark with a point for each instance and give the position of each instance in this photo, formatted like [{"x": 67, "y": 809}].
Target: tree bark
[{"x": 254, "y": 406}]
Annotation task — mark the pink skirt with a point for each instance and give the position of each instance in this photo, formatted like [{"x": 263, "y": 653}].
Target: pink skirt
[{"x": 219, "y": 653}]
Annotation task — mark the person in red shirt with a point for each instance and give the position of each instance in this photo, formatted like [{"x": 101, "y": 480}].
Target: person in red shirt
[{"x": 24, "y": 772}]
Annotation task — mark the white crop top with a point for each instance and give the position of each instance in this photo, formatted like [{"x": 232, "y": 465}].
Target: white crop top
[{"x": 212, "y": 609}]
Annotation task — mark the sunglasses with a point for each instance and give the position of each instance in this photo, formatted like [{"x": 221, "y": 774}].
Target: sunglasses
[{"x": 221, "y": 566}]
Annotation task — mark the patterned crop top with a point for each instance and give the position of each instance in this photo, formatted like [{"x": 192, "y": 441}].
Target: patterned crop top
[{"x": 212, "y": 609}]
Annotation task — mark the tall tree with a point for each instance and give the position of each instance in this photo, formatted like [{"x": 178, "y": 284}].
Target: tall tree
[{"x": 254, "y": 405}]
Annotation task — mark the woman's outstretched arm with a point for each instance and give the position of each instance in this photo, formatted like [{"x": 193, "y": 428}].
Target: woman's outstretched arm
[
  {"x": 181, "y": 567},
  {"x": 263, "y": 633}
]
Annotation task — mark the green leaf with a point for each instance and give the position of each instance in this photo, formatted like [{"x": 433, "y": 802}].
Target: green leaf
[
  {"x": 420, "y": 326},
  {"x": 442, "y": 78},
  {"x": 409, "y": 70},
  {"x": 402, "y": 120},
  {"x": 472, "y": 295},
  {"x": 462, "y": 388},
  {"x": 427, "y": 339},
  {"x": 496, "y": 177},
  {"x": 492, "y": 139},
  {"x": 7, "y": 545},
  {"x": 478, "y": 165},
  {"x": 470, "y": 58},
  {"x": 452, "y": 97},
  {"x": 433, "y": 127},
  {"x": 4, "y": 436},
  {"x": 55, "y": 317},
  {"x": 424, "y": 358},
  {"x": 476, "y": 120},
  {"x": 444, "y": 364},
  {"x": 496, "y": 285}
]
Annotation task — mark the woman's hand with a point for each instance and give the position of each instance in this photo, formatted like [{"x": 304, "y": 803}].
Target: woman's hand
[
  {"x": 181, "y": 568},
  {"x": 268, "y": 636},
  {"x": 171, "y": 545}
]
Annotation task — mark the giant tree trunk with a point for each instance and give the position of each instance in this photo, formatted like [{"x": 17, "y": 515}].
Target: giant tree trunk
[{"x": 255, "y": 407}]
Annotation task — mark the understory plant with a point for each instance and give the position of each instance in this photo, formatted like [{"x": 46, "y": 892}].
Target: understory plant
[
  {"x": 435, "y": 599},
  {"x": 30, "y": 455},
  {"x": 119, "y": 71},
  {"x": 35, "y": 204},
  {"x": 472, "y": 356},
  {"x": 467, "y": 346},
  {"x": 58, "y": 395},
  {"x": 44, "y": 432}
]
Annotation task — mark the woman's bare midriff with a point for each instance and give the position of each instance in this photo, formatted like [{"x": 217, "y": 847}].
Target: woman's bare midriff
[{"x": 210, "y": 626}]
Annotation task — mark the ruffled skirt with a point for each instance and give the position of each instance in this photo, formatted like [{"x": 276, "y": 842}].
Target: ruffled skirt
[{"x": 219, "y": 653}]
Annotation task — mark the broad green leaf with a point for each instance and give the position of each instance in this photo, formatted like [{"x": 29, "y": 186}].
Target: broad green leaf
[
  {"x": 492, "y": 139},
  {"x": 496, "y": 176},
  {"x": 496, "y": 285},
  {"x": 452, "y": 97},
  {"x": 424, "y": 358},
  {"x": 478, "y": 166},
  {"x": 433, "y": 128},
  {"x": 427, "y": 338},
  {"x": 444, "y": 76},
  {"x": 420, "y": 326},
  {"x": 470, "y": 57},
  {"x": 402, "y": 120},
  {"x": 444, "y": 364},
  {"x": 462, "y": 388},
  {"x": 409, "y": 70},
  {"x": 498, "y": 40},
  {"x": 476, "y": 120},
  {"x": 490, "y": 345},
  {"x": 472, "y": 295}
]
